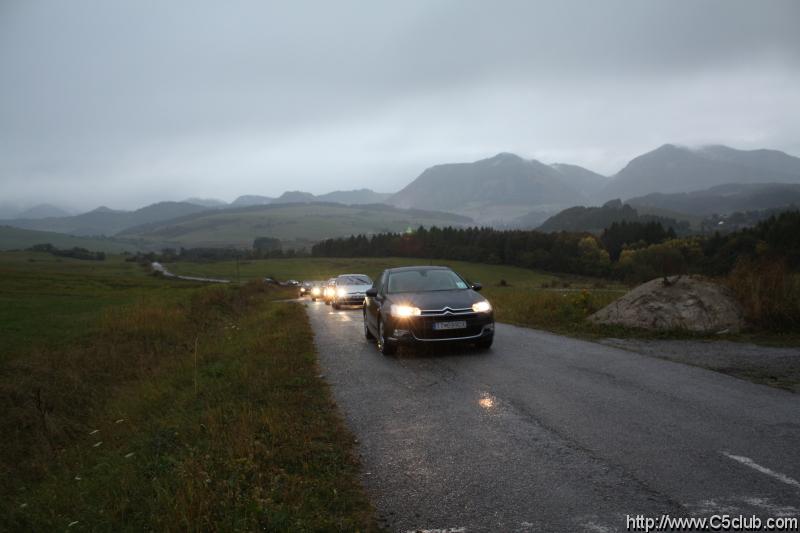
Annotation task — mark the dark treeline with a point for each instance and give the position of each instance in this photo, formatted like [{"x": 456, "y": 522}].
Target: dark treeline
[
  {"x": 75, "y": 252},
  {"x": 213, "y": 254},
  {"x": 630, "y": 250}
]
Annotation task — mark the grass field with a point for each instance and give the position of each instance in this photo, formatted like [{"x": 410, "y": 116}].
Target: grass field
[
  {"x": 20, "y": 239},
  {"x": 164, "y": 406},
  {"x": 48, "y": 301}
]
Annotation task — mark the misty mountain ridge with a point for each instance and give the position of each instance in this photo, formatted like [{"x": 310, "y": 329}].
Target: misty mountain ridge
[
  {"x": 105, "y": 221},
  {"x": 206, "y": 202},
  {"x": 676, "y": 169},
  {"x": 507, "y": 190},
  {"x": 497, "y": 188},
  {"x": 596, "y": 219},
  {"x": 724, "y": 199},
  {"x": 357, "y": 196}
]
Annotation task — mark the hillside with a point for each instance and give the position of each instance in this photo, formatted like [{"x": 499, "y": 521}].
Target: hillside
[
  {"x": 596, "y": 219},
  {"x": 723, "y": 199},
  {"x": 297, "y": 225},
  {"x": 499, "y": 188},
  {"x": 675, "y": 169},
  {"x": 20, "y": 239},
  {"x": 105, "y": 221}
]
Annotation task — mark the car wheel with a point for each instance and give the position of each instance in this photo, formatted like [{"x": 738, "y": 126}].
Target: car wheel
[
  {"x": 386, "y": 347},
  {"x": 485, "y": 343},
  {"x": 327, "y": 302},
  {"x": 367, "y": 333},
  {"x": 336, "y": 306}
]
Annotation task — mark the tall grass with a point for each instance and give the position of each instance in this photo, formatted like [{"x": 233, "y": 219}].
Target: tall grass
[
  {"x": 769, "y": 293},
  {"x": 207, "y": 415},
  {"x": 563, "y": 311}
]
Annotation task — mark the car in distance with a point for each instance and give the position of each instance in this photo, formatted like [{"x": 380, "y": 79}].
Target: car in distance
[
  {"x": 350, "y": 290},
  {"x": 426, "y": 305},
  {"x": 316, "y": 290},
  {"x": 329, "y": 290},
  {"x": 305, "y": 288}
]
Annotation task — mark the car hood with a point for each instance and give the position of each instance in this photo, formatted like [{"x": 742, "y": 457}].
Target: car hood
[
  {"x": 434, "y": 300},
  {"x": 354, "y": 288}
]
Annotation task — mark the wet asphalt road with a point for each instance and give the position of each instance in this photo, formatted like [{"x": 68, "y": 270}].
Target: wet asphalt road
[{"x": 549, "y": 433}]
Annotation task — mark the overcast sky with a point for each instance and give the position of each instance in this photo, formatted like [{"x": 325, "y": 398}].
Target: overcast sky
[{"x": 126, "y": 103}]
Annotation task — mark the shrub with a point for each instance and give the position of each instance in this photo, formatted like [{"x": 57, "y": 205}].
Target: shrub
[{"x": 768, "y": 291}]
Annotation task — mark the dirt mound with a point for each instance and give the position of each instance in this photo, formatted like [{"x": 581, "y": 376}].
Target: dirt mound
[{"x": 687, "y": 302}]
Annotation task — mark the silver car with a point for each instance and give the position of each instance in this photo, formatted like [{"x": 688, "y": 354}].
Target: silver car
[{"x": 349, "y": 290}]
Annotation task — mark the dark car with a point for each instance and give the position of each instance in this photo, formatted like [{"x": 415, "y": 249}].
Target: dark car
[{"x": 426, "y": 304}]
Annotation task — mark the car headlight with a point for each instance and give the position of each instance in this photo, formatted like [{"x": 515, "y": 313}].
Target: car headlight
[
  {"x": 302, "y": 289},
  {"x": 482, "y": 307},
  {"x": 315, "y": 291},
  {"x": 404, "y": 311}
]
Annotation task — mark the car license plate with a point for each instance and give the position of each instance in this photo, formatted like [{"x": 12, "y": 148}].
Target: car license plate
[{"x": 454, "y": 324}]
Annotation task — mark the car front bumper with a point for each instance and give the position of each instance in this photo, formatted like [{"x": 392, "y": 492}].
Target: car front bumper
[
  {"x": 420, "y": 329},
  {"x": 349, "y": 299}
]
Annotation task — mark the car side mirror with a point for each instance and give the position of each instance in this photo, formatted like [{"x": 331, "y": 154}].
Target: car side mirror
[
  {"x": 371, "y": 293},
  {"x": 476, "y": 286}
]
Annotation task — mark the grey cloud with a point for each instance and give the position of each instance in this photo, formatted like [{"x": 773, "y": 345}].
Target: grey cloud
[{"x": 130, "y": 102}]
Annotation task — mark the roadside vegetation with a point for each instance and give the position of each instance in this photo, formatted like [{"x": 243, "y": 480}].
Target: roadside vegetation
[
  {"x": 761, "y": 264},
  {"x": 162, "y": 405}
]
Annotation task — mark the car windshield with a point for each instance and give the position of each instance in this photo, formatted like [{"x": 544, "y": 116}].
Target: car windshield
[
  {"x": 425, "y": 280},
  {"x": 353, "y": 280}
]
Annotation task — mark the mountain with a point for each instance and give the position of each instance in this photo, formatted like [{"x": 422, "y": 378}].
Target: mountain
[
  {"x": 723, "y": 199},
  {"x": 295, "y": 197},
  {"x": 297, "y": 225},
  {"x": 675, "y": 169},
  {"x": 206, "y": 202},
  {"x": 581, "y": 179},
  {"x": 251, "y": 199},
  {"x": 596, "y": 219},
  {"x": 501, "y": 187},
  {"x": 105, "y": 221},
  {"x": 359, "y": 196}
]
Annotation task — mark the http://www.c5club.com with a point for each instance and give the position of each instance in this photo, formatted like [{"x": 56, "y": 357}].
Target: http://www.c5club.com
[{"x": 717, "y": 522}]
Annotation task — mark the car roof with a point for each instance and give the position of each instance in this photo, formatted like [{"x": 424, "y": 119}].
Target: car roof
[
  {"x": 345, "y": 275},
  {"x": 419, "y": 267}
]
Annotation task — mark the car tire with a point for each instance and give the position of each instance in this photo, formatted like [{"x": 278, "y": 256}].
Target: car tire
[
  {"x": 327, "y": 302},
  {"x": 384, "y": 346},
  {"x": 367, "y": 333},
  {"x": 485, "y": 343},
  {"x": 336, "y": 306}
]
